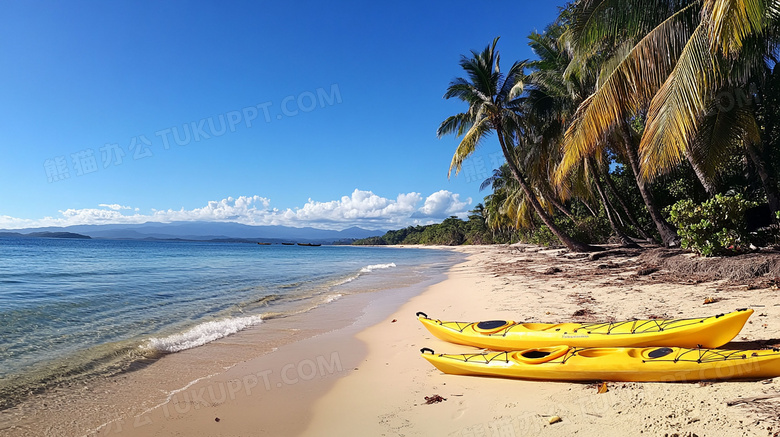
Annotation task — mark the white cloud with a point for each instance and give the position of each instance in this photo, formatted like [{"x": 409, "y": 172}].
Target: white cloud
[
  {"x": 361, "y": 208},
  {"x": 243, "y": 209},
  {"x": 443, "y": 204},
  {"x": 115, "y": 206},
  {"x": 8, "y": 222}
]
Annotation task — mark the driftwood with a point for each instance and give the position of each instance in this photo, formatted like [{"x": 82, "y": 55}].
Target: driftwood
[
  {"x": 614, "y": 252},
  {"x": 753, "y": 399}
]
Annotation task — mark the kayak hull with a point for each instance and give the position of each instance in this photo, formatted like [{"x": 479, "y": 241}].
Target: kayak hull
[
  {"x": 707, "y": 332},
  {"x": 614, "y": 364}
]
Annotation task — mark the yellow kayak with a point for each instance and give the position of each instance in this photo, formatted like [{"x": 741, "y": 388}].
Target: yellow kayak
[
  {"x": 651, "y": 364},
  {"x": 707, "y": 332}
]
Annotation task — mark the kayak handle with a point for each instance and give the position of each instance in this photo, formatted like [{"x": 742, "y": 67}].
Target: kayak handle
[
  {"x": 422, "y": 351},
  {"x": 420, "y": 313}
]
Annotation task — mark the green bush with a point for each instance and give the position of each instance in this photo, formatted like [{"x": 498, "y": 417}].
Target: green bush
[
  {"x": 714, "y": 227},
  {"x": 541, "y": 236},
  {"x": 591, "y": 230}
]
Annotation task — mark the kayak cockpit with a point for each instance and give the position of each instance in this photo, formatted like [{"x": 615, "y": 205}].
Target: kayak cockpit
[{"x": 540, "y": 355}]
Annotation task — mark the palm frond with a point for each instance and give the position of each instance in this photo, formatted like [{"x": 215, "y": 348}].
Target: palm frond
[
  {"x": 773, "y": 10},
  {"x": 543, "y": 47},
  {"x": 723, "y": 129},
  {"x": 461, "y": 89},
  {"x": 457, "y": 124},
  {"x": 479, "y": 131},
  {"x": 730, "y": 22},
  {"x": 674, "y": 112},
  {"x": 513, "y": 84},
  {"x": 630, "y": 86},
  {"x": 608, "y": 67},
  {"x": 606, "y": 22},
  {"x": 480, "y": 68}
]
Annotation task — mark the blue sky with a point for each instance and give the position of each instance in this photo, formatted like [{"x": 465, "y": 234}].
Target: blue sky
[{"x": 316, "y": 114}]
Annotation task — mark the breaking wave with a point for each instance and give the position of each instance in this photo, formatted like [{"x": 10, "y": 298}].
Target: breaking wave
[
  {"x": 333, "y": 297},
  {"x": 371, "y": 268},
  {"x": 202, "y": 334}
]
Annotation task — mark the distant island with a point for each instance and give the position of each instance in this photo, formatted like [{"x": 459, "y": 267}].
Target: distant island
[{"x": 71, "y": 235}]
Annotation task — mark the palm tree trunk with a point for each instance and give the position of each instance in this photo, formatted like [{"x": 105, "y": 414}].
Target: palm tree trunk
[
  {"x": 767, "y": 178},
  {"x": 560, "y": 207},
  {"x": 708, "y": 185},
  {"x": 569, "y": 242},
  {"x": 668, "y": 234},
  {"x": 627, "y": 241},
  {"x": 627, "y": 210},
  {"x": 590, "y": 208}
]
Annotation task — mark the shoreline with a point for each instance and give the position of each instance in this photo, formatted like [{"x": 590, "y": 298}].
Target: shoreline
[
  {"x": 365, "y": 376},
  {"x": 172, "y": 385},
  {"x": 273, "y": 394}
]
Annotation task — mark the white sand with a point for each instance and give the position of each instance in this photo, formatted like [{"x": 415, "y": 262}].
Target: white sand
[
  {"x": 387, "y": 395},
  {"x": 368, "y": 379}
]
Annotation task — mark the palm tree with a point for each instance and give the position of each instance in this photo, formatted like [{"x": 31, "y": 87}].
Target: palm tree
[
  {"x": 494, "y": 100},
  {"x": 627, "y": 82},
  {"x": 507, "y": 206},
  {"x": 495, "y": 218},
  {"x": 510, "y": 200},
  {"x": 553, "y": 98},
  {"x": 670, "y": 58}
]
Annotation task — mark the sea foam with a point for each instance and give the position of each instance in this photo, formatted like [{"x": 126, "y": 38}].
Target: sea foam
[
  {"x": 333, "y": 297},
  {"x": 368, "y": 269},
  {"x": 201, "y": 334}
]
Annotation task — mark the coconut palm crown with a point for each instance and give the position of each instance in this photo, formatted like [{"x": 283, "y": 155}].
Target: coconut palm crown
[{"x": 495, "y": 102}]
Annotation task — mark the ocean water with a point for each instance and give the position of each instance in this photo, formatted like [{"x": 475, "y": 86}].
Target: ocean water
[{"x": 74, "y": 309}]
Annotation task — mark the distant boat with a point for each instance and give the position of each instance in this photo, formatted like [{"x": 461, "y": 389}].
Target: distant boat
[
  {"x": 289, "y": 244},
  {"x": 309, "y": 244},
  {"x": 263, "y": 244}
]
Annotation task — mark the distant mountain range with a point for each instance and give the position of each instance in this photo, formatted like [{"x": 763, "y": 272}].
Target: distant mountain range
[{"x": 207, "y": 231}]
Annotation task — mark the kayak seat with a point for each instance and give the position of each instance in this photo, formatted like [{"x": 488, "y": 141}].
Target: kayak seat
[
  {"x": 540, "y": 355},
  {"x": 491, "y": 324},
  {"x": 660, "y": 352},
  {"x": 534, "y": 354}
]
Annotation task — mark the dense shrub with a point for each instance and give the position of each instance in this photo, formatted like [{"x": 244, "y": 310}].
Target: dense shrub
[
  {"x": 714, "y": 227},
  {"x": 591, "y": 230},
  {"x": 540, "y": 235}
]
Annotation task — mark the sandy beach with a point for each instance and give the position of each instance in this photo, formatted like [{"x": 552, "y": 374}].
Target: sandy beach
[
  {"x": 366, "y": 376},
  {"x": 205, "y": 232},
  {"x": 387, "y": 395}
]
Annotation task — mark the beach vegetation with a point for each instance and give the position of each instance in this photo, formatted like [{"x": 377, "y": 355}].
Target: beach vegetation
[
  {"x": 717, "y": 226},
  {"x": 450, "y": 232},
  {"x": 638, "y": 122}
]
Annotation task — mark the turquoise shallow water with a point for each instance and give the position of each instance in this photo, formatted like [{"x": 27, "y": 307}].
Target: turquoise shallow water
[{"x": 70, "y": 308}]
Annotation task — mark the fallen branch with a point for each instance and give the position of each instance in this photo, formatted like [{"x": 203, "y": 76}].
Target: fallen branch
[{"x": 753, "y": 399}]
